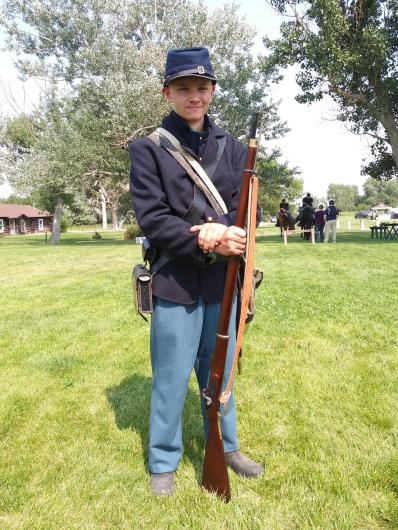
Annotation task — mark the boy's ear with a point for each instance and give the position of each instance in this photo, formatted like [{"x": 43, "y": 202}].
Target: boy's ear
[{"x": 166, "y": 92}]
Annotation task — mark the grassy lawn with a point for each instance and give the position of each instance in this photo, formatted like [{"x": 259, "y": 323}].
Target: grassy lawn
[{"x": 318, "y": 399}]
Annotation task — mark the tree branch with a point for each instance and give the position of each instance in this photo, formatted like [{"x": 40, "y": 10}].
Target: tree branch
[
  {"x": 125, "y": 142},
  {"x": 352, "y": 99}
]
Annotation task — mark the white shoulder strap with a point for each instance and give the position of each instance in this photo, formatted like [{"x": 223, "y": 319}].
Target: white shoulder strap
[{"x": 195, "y": 165}]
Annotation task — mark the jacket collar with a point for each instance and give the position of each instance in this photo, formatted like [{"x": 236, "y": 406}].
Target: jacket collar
[{"x": 190, "y": 139}]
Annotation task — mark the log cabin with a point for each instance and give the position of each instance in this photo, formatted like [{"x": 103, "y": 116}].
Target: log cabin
[{"x": 24, "y": 219}]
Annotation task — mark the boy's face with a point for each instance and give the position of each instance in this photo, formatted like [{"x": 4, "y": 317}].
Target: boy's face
[{"x": 191, "y": 97}]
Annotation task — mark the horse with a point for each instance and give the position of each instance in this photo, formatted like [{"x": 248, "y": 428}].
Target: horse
[
  {"x": 306, "y": 220},
  {"x": 285, "y": 221}
]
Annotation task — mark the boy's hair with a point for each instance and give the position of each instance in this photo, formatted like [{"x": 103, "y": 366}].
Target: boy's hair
[{"x": 331, "y": 202}]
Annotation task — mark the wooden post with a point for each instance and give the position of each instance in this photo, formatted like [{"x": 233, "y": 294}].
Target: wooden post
[
  {"x": 349, "y": 225},
  {"x": 285, "y": 236},
  {"x": 362, "y": 225},
  {"x": 313, "y": 235}
]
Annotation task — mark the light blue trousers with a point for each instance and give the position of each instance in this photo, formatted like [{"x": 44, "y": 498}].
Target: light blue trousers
[{"x": 183, "y": 339}]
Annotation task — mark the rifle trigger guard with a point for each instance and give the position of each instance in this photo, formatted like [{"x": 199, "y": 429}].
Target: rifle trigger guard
[{"x": 207, "y": 399}]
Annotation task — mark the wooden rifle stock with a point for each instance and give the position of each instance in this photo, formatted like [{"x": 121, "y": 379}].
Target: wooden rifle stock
[{"x": 215, "y": 474}]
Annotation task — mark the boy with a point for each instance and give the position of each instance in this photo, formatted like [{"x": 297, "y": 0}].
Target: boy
[{"x": 188, "y": 287}]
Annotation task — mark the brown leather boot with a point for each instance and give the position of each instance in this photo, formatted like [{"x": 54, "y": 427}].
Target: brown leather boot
[
  {"x": 242, "y": 465},
  {"x": 163, "y": 483}
]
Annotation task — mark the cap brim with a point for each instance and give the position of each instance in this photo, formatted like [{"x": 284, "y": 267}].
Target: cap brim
[{"x": 182, "y": 76}]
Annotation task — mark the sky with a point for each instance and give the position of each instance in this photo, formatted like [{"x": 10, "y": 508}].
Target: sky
[{"x": 319, "y": 146}]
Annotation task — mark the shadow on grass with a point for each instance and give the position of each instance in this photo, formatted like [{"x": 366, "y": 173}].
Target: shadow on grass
[
  {"x": 130, "y": 403},
  {"x": 79, "y": 240},
  {"x": 68, "y": 240},
  {"x": 75, "y": 241},
  {"x": 342, "y": 238}
]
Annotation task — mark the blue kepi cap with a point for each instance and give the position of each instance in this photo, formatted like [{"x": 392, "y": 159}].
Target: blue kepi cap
[{"x": 188, "y": 62}]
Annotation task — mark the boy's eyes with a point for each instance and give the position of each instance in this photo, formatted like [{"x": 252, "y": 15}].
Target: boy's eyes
[{"x": 201, "y": 89}]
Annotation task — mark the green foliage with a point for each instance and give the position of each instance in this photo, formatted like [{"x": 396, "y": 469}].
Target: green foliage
[
  {"x": 80, "y": 211},
  {"x": 376, "y": 192},
  {"x": 132, "y": 231},
  {"x": 111, "y": 56},
  {"x": 65, "y": 223},
  {"x": 21, "y": 131},
  {"x": 345, "y": 195},
  {"x": 121, "y": 53},
  {"x": 347, "y": 49},
  {"x": 15, "y": 199},
  {"x": 44, "y": 196},
  {"x": 277, "y": 181},
  {"x": 382, "y": 167}
]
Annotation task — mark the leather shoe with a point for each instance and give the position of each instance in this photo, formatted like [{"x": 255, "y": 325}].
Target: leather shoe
[
  {"x": 162, "y": 483},
  {"x": 242, "y": 465}
]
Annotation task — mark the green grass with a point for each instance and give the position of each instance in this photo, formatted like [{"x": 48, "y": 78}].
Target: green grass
[
  {"x": 317, "y": 400},
  {"x": 89, "y": 228}
]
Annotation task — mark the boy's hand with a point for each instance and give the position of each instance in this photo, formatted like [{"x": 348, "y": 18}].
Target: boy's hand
[
  {"x": 209, "y": 235},
  {"x": 233, "y": 242},
  {"x": 216, "y": 237}
]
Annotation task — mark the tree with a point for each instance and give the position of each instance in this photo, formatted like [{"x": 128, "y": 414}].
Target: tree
[
  {"x": 44, "y": 166},
  {"x": 16, "y": 137},
  {"x": 108, "y": 59},
  {"x": 15, "y": 199},
  {"x": 347, "y": 49},
  {"x": 345, "y": 195},
  {"x": 376, "y": 192},
  {"x": 122, "y": 43},
  {"x": 277, "y": 181}
]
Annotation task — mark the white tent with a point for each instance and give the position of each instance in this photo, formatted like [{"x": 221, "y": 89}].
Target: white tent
[{"x": 381, "y": 206}]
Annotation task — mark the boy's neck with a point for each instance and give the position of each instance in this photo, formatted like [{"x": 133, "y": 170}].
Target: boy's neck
[{"x": 197, "y": 127}]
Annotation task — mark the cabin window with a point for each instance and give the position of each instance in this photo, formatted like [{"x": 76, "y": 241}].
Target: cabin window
[
  {"x": 1, "y": 225},
  {"x": 41, "y": 224}
]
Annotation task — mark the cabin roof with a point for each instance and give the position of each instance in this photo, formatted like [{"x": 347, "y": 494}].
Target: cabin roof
[{"x": 13, "y": 211}]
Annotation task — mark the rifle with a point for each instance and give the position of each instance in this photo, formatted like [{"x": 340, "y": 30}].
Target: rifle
[{"x": 215, "y": 474}]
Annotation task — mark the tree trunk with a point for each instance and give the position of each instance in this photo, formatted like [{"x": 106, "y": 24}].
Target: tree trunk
[
  {"x": 115, "y": 223},
  {"x": 103, "y": 209},
  {"x": 391, "y": 128},
  {"x": 121, "y": 222},
  {"x": 56, "y": 231}
]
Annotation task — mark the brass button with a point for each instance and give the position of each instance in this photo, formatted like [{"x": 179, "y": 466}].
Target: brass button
[{"x": 209, "y": 219}]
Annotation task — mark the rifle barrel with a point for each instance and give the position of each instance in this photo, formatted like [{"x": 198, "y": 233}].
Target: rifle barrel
[{"x": 215, "y": 473}]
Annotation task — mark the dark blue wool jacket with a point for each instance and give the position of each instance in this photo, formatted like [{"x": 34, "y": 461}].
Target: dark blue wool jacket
[{"x": 161, "y": 194}]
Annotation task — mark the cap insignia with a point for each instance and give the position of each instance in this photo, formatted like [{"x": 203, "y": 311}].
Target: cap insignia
[{"x": 201, "y": 70}]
